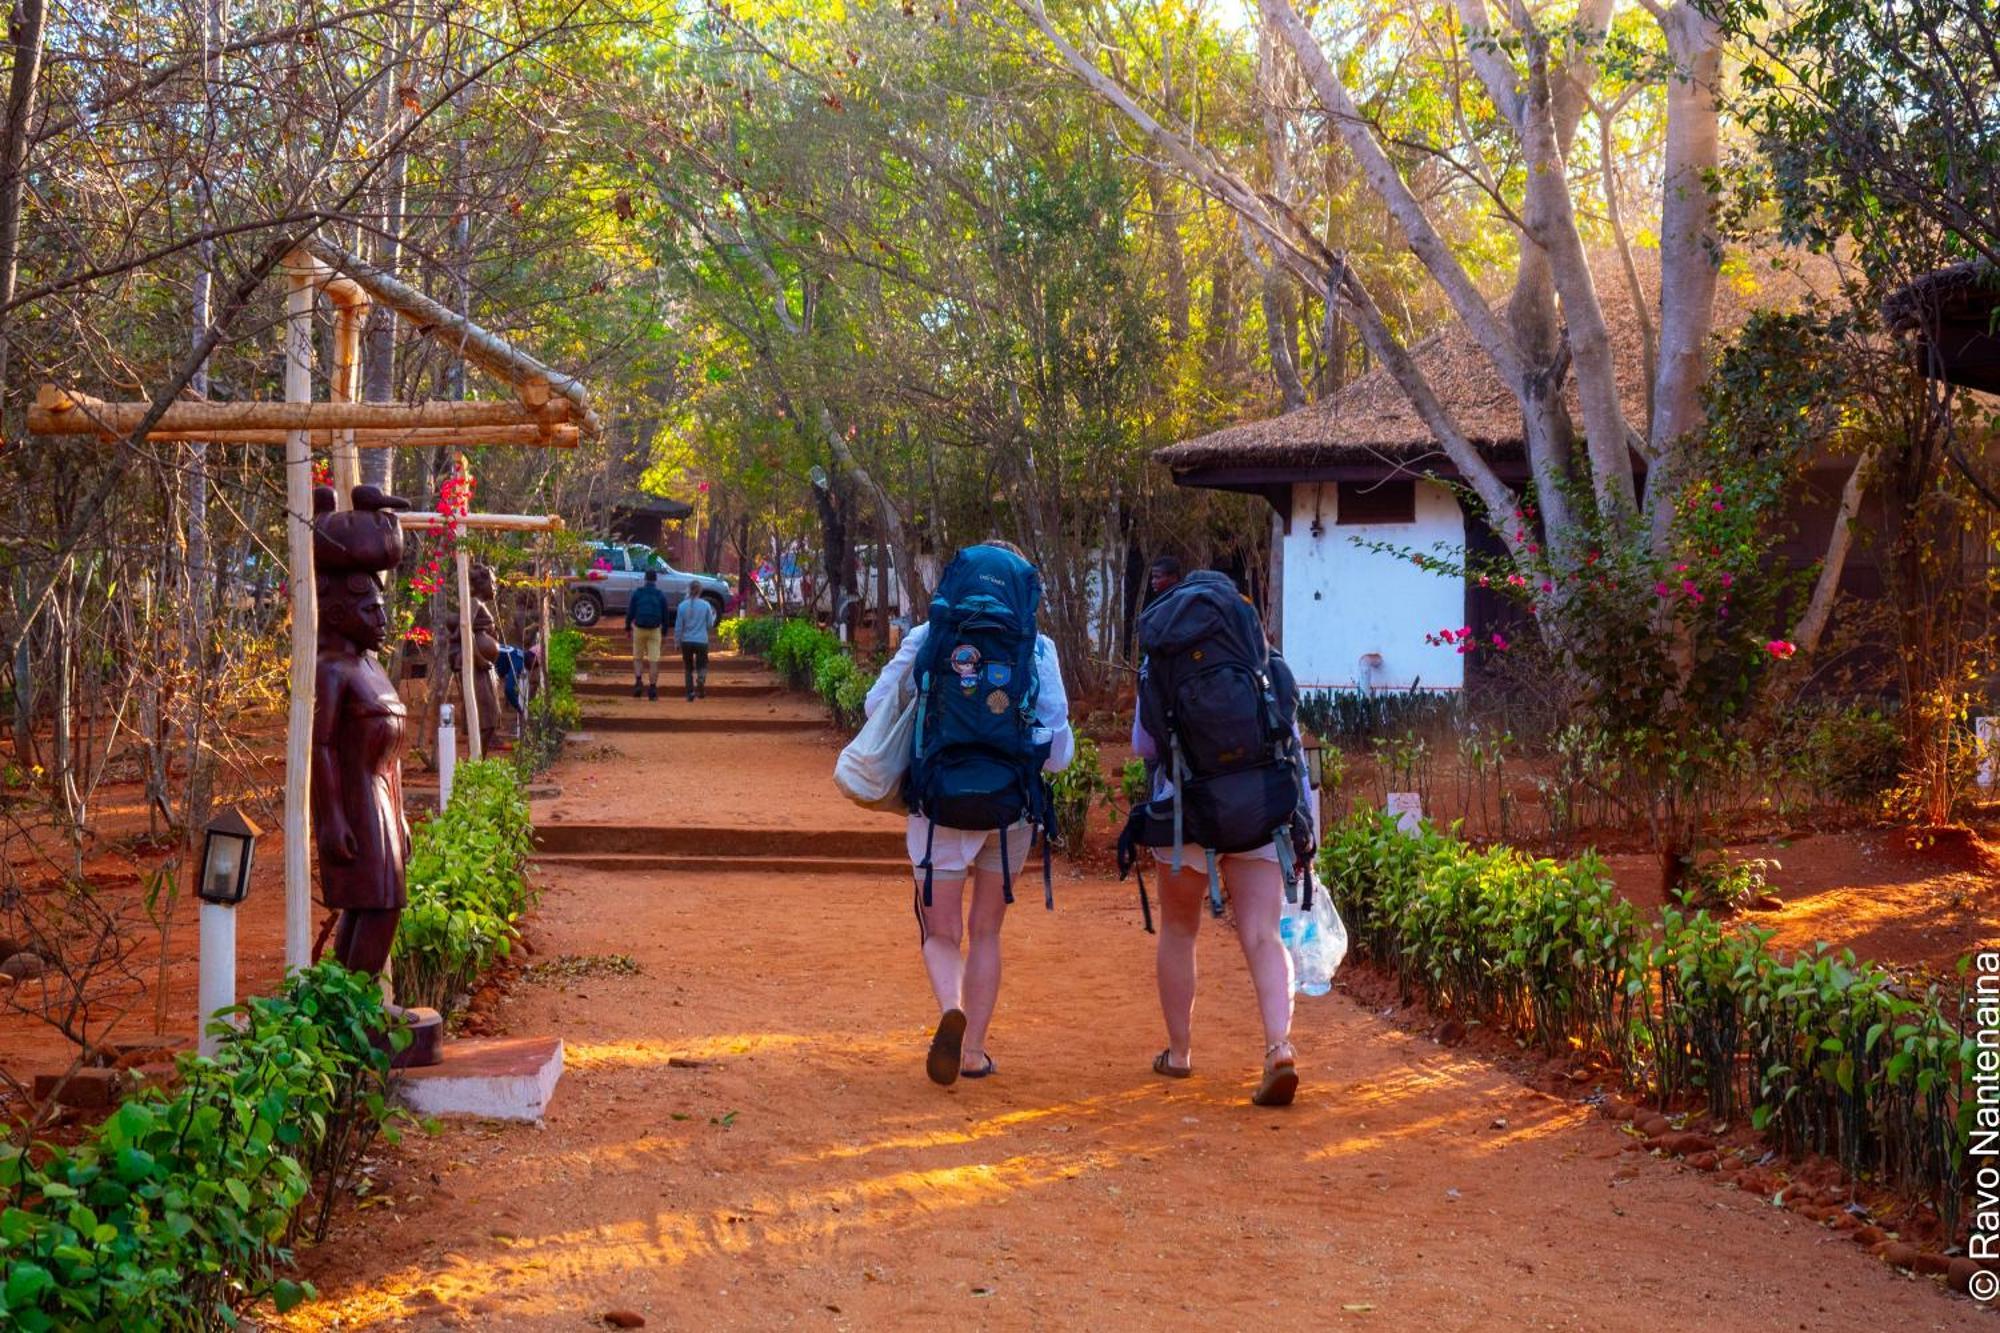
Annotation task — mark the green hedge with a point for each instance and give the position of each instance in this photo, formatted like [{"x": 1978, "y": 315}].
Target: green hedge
[
  {"x": 1823, "y": 1053},
  {"x": 468, "y": 886},
  {"x": 182, "y": 1206},
  {"x": 749, "y": 634},
  {"x": 1075, "y": 791}
]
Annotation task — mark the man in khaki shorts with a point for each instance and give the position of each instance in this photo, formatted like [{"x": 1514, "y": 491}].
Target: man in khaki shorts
[{"x": 646, "y": 617}]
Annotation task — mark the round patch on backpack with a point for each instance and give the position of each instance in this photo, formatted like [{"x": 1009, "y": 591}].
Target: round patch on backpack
[
  {"x": 996, "y": 702},
  {"x": 965, "y": 661}
]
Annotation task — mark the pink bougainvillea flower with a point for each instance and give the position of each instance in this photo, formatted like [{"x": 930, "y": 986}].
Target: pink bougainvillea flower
[
  {"x": 1781, "y": 648},
  {"x": 1681, "y": 568},
  {"x": 1728, "y": 580},
  {"x": 1500, "y": 641},
  {"x": 1663, "y": 589},
  {"x": 1485, "y": 582},
  {"x": 1516, "y": 581},
  {"x": 1547, "y": 586}
]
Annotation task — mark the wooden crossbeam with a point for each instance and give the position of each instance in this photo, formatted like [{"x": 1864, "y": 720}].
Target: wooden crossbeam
[
  {"x": 545, "y": 436},
  {"x": 57, "y": 412},
  {"x": 421, "y": 520}
]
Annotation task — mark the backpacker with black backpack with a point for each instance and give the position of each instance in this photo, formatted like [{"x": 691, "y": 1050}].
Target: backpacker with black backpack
[
  {"x": 975, "y": 760},
  {"x": 1223, "y": 708}
]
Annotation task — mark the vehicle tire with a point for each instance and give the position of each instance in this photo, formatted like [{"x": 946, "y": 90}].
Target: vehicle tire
[
  {"x": 715, "y": 600},
  {"x": 585, "y": 609}
]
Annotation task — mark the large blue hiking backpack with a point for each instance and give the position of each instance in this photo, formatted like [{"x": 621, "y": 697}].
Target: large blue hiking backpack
[
  {"x": 1223, "y": 708},
  {"x": 975, "y": 761}
]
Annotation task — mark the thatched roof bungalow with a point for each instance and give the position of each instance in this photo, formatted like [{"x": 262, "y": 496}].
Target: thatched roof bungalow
[{"x": 1357, "y": 477}]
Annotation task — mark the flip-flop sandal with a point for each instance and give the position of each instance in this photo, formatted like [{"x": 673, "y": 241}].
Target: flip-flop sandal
[
  {"x": 1280, "y": 1085},
  {"x": 984, "y": 1071},
  {"x": 942, "y": 1063},
  {"x": 1164, "y": 1066}
]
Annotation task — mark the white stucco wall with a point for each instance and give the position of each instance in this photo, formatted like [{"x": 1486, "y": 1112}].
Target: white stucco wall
[{"x": 1342, "y": 602}]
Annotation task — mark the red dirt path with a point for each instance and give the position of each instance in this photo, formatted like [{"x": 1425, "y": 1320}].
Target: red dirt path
[{"x": 745, "y": 1139}]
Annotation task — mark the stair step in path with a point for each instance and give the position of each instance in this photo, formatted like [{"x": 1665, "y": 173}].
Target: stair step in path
[
  {"x": 604, "y": 685},
  {"x": 615, "y": 863},
  {"x": 568, "y": 838},
  {"x": 626, "y": 724}
]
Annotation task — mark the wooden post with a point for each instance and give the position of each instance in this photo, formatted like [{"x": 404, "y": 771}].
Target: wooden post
[
  {"x": 468, "y": 657},
  {"x": 350, "y": 312},
  {"x": 305, "y": 626},
  {"x": 542, "y": 599}
]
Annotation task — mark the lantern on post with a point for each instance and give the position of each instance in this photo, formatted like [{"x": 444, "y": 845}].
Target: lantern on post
[{"x": 227, "y": 853}]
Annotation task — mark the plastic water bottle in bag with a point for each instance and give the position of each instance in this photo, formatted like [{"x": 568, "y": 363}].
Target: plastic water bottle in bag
[{"x": 1317, "y": 942}]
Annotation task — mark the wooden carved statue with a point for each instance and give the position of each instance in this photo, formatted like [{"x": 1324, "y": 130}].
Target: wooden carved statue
[
  {"x": 485, "y": 652},
  {"x": 359, "y": 726}
]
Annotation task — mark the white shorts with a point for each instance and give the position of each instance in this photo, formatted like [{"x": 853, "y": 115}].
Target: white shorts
[
  {"x": 1197, "y": 857},
  {"x": 955, "y": 850}
]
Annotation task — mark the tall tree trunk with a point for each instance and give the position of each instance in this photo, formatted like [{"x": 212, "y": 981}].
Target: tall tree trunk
[
  {"x": 1689, "y": 251},
  {"x": 378, "y": 372},
  {"x": 26, "y": 28}
]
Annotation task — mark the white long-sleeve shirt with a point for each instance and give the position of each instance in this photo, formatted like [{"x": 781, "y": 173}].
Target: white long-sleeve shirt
[{"x": 1051, "y": 699}]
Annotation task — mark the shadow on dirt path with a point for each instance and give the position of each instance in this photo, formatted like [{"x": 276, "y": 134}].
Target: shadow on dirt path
[{"x": 745, "y": 1138}]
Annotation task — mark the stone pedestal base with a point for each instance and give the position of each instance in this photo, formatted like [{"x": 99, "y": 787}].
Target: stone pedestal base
[
  {"x": 497, "y": 1078},
  {"x": 426, "y": 1038}
]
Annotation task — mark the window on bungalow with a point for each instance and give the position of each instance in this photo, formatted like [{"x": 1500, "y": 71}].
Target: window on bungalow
[{"x": 1376, "y": 502}]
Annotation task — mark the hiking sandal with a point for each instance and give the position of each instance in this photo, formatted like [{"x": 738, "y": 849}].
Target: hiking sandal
[
  {"x": 1281, "y": 1081},
  {"x": 1164, "y": 1066},
  {"x": 946, "y": 1044}
]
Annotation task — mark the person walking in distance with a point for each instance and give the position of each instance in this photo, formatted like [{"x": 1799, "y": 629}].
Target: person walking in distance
[
  {"x": 646, "y": 617},
  {"x": 692, "y": 622},
  {"x": 1163, "y": 574},
  {"x": 993, "y": 717}
]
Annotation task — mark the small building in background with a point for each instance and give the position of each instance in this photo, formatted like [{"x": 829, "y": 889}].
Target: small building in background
[{"x": 1364, "y": 499}]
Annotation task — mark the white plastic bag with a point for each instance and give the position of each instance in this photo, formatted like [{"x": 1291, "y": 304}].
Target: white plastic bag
[
  {"x": 1316, "y": 940},
  {"x": 870, "y": 770}
]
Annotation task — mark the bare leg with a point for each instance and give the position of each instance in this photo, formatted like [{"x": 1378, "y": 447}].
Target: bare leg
[
  {"x": 1181, "y": 904},
  {"x": 1257, "y": 893},
  {"x": 982, "y": 964},
  {"x": 943, "y": 923}
]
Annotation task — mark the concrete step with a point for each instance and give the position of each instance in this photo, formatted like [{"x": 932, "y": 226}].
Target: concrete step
[
  {"x": 731, "y": 842},
  {"x": 599, "y": 723},
  {"x": 604, "y": 685},
  {"x": 620, "y": 663},
  {"x": 615, "y": 863}
]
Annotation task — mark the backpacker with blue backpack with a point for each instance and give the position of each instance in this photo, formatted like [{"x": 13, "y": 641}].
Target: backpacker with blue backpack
[
  {"x": 1223, "y": 708},
  {"x": 976, "y": 762}
]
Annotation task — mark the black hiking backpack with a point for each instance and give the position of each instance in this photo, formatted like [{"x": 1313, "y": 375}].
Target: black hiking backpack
[
  {"x": 1223, "y": 709},
  {"x": 975, "y": 762}
]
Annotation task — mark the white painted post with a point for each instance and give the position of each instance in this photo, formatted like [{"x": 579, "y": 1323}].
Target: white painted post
[
  {"x": 447, "y": 754},
  {"x": 1408, "y": 808},
  {"x": 305, "y": 623},
  {"x": 1986, "y": 733},
  {"x": 218, "y": 967}
]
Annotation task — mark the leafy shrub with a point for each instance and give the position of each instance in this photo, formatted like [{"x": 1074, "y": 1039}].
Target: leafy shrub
[
  {"x": 1825, "y": 1054},
  {"x": 183, "y": 1205},
  {"x": 1074, "y": 792},
  {"x": 850, "y": 701},
  {"x": 749, "y": 634},
  {"x": 468, "y": 886},
  {"x": 1853, "y": 755},
  {"x": 555, "y": 712},
  {"x": 796, "y": 650},
  {"x": 1132, "y": 782}
]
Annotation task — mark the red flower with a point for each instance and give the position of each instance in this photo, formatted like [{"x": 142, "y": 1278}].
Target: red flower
[{"x": 1781, "y": 649}]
